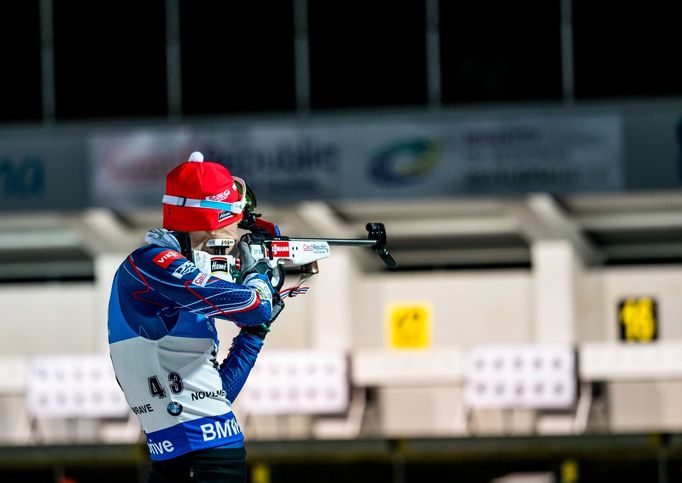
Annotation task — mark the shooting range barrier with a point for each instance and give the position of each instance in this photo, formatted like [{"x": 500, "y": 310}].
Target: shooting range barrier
[
  {"x": 630, "y": 387},
  {"x": 447, "y": 391},
  {"x": 73, "y": 388}
]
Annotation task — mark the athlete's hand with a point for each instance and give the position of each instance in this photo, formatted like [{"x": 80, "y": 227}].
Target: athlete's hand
[{"x": 250, "y": 265}]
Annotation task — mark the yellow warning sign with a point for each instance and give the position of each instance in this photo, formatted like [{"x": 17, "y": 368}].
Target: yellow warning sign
[
  {"x": 638, "y": 319},
  {"x": 409, "y": 325}
]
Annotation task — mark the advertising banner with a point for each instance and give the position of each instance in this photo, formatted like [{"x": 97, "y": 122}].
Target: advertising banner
[
  {"x": 358, "y": 160},
  {"x": 42, "y": 172}
]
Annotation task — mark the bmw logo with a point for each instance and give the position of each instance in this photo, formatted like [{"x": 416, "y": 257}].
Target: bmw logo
[{"x": 174, "y": 409}]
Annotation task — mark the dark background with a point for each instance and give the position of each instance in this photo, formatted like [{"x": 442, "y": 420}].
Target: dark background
[{"x": 239, "y": 57}]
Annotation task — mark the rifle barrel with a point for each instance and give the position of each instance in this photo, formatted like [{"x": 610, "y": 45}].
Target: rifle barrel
[{"x": 339, "y": 241}]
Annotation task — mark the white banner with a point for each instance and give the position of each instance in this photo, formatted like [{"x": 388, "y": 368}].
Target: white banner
[{"x": 387, "y": 159}]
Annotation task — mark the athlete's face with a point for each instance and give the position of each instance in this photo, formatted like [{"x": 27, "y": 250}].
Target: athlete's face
[{"x": 199, "y": 238}]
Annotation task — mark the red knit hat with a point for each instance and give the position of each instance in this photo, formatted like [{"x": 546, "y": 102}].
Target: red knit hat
[{"x": 201, "y": 196}]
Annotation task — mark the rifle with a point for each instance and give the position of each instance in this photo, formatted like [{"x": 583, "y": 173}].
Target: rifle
[{"x": 286, "y": 254}]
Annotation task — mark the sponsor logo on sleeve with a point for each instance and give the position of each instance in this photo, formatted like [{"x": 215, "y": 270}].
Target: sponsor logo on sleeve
[
  {"x": 166, "y": 257},
  {"x": 201, "y": 279},
  {"x": 184, "y": 269},
  {"x": 280, "y": 249}
]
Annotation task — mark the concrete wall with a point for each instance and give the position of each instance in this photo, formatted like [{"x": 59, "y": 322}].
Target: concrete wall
[
  {"x": 346, "y": 309},
  {"x": 48, "y": 319},
  {"x": 468, "y": 308}
]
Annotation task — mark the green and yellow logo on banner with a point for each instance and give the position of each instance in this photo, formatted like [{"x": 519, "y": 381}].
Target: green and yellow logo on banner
[{"x": 409, "y": 325}]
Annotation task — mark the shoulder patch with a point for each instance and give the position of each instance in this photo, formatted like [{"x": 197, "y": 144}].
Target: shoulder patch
[
  {"x": 184, "y": 269},
  {"x": 201, "y": 279},
  {"x": 166, "y": 257}
]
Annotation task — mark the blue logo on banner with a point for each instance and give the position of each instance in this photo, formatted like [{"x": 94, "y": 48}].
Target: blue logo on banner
[
  {"x": 405, "y": 162},
  {"x": 21, "y": 179}
]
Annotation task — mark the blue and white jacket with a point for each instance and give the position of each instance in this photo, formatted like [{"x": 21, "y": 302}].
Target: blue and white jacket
[{"x": 163, "y": 344}]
